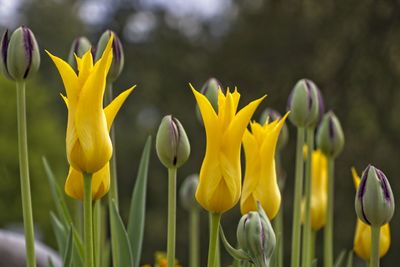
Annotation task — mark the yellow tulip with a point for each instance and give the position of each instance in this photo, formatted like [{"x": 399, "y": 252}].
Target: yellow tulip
[
  {"x": 260, "y": 183},
  {"x": 220, "y": 174},
  {"x": 88, "y": 143},
  {"x": 362, "y": 237}
]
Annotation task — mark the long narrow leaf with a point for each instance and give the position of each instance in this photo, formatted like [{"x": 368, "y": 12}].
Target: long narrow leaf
[
  {"x": 60, "y": 233},
  {"x": 350, "y": 259},
  {"x": 124, "y": 248},
  {"x": 67, "y": 257},
  {"x": 138, "y": 205},
  {"x": 340, "y": 259}
]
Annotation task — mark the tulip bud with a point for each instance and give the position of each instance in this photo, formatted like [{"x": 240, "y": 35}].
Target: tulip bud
[
  {"x": 172, "y": 143},
  {"x": 374, "y": 201},
  {"x": 270, "y": 114},
  {"x": 118, "y": 54},
  {"x": 79, "y": 47},
  {"x": 330, "y": 138},
  {"x": 20, "y": 57},
  {"x": 303, "y": 104},
  {"x": 210, "y": 90},
  {"x": 256, "y": 237},
  {"x": 188, "y": 191}
]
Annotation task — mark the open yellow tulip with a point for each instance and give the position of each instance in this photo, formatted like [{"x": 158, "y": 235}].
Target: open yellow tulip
[
  {"x": 220, "y": 175},
  {"x": 260, "y": 182},
  {"x": 362, "y": 237},
  {"x": 88, "y": 143}
]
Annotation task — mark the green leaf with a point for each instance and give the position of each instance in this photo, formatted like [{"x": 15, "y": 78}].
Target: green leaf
[
  {"x": 60, "y": 233},
  {"x": 238, "y": 254},
  {"x": 61, "y": 206},
  {"x": 51, "y": 264},
  {"x": 350, "y": 259},
  {"x": 340, "y": 259},
  {"x": 124, "y": 248},
  {"x": 67, "y": 257},
  {"x": 138, "y": 205},
  {"x": 314, "y": 263}
]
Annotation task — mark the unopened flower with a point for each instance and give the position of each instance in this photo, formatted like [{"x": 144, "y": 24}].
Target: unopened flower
[
  {"x": 374, "y": 201},
  {"x": 260, "y": 183},
  {"x": 187, "y": 192},
  {"x": 330, "y": 137},
  {"x": 78, "y": 48},
  {"x": 172, "y": 143},
  {"x": 303, "y": 104},
  {"x": 118, "y": 54},
  {"x": 20, "y": 56},
  {"x": 362, "y": 236},
  {"x": 220, "y": 175},
  {"x": 210, "y": 90},
  {"x": 88, "y": 143}
]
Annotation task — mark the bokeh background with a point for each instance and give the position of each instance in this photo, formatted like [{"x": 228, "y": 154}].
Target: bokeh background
[{"x": 351, "y": 49}]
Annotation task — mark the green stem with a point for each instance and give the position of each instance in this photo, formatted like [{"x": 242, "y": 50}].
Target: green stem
[
  {"x": 88, "y": 220},
  {"x": 375, "y": 233},
  {"x": 113, "y": 193},
  {"x": 24, "y": 176},
  {"x": 312, "y": 245},
  {"x": 278, "y": 227},
  {"x": 194, "y": 237},
  {"x": 305, "y": 260},
  {"x": 296, "y": 227},
  {"x": 97, "y": 232},
  {"x": 328, "y": 230},
  {"x": 212, "y": 246},
  {"x": 171, "y": 217}
]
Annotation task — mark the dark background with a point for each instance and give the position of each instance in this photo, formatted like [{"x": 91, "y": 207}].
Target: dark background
[{"x": 351, "y": 49}]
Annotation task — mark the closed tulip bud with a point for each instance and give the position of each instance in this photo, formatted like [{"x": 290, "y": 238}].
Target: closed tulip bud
[
  {"x": 79, "y": 47},
  {"x": 330, "y": 138},
  {"x": 303, "y": 104},
  {"x": 210, "y": 90},
  {"x": 20, "y": 57},
  {"x": 172, "y": 143},
  {"x": 374, "y": 201},
  {"x": 256, "y": 237},
  {"x": 118, "y": 54},
  {"x": 188, "y": 191},
  {"x": 270, "y": 115}
]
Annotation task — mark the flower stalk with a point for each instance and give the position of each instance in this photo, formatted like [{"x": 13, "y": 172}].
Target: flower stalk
[
  {"x": 375, "y": 236},
  {"x": 24, "y": 176},
  {"x": 88, "y": 220},
  {"x": 215, "y": 218},
  {"x": 194, "y": 238},
  {"x": 296, "y": 227},
  {"x": 328, "y": 230},
  {"x": 171, "y": 217}
]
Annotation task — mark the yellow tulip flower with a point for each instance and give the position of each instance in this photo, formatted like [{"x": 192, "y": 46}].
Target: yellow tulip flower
[
  {"x": 220, "y": 174},
  {"x": 88, "y": 143},
  {"x": 362, "y": 237},
  {"x": 260, "y": 183}
]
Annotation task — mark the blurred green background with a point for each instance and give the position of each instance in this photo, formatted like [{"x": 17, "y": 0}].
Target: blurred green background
[{"x": 351, "y": 50}]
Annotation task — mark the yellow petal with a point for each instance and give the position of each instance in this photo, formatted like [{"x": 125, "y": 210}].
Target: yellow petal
[
  {"x": 68, "y": 76},
  {"x": 112, "y": 109},
  {"x": 356, "y": 178},
  {"x": 74, "y": 184}
]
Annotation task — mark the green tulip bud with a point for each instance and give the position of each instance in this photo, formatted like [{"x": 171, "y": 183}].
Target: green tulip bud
[
  {"x": 303, "y": 104},
  {"x": 210, "y": 90},
  {"x": 330, "y": 138},
  {"x": 20, "y": 57},
  {"x": 187, "y": 192},
  {"x": 374, "y": 201},
  {"x": 269, "y": 115},
  {"x": 118, "y": 54},
  {"x": 79, "y": 47},
  {"x": 256, "y": 237},
  {"x": 172, "y": 143}
]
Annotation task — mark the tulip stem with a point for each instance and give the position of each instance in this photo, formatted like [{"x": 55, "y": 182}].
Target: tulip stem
[
  {"x": 278, "y": 227},
  {"x": 24, "y": 176},
  {"x": 194, "y": 237},
  {"x": 328, "y": 230},
  {"x": 375, "y": 236},
  {"x": 88, "y": 220},
  {"x": 212, "y": 246},
  {"x": 171, "y": 217},
  {"x": 305, "y": 260},
  {"x": 98, "y": 228},
  {"x": 296, "y": 227}
]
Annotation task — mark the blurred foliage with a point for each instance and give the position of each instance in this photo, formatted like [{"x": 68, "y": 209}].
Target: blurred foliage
[{"x": 350, "y": 49}]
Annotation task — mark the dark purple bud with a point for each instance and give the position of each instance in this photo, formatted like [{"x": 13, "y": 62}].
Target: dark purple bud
[
  {"x": 330, "y": 137},
  {"x": 5, "y": 40}
]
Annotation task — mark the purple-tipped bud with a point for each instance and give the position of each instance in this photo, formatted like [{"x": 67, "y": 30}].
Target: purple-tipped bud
[
  {"x": 210, "y": 90},
  {"x": 172, "y": 143},
  {"x": 270, "y": 115},
  {"x": 330, "y": 137},
  {"x": 303, "y": 104},
  {"x": 79, "y": 47},
  {"x": 20, "y": 57},
  {"x": 118, "y": 54},
  {"x": 256, "y": 237},
  {"x": 187, "y": 192},
  {"x": 374, "y": 201}
]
